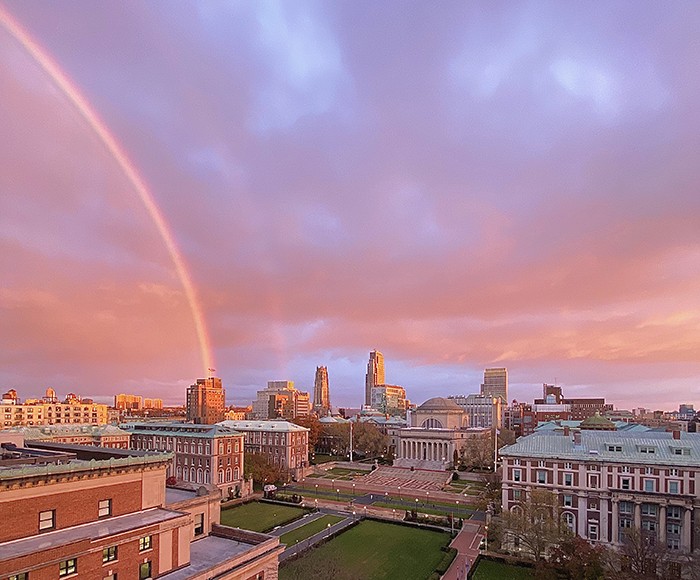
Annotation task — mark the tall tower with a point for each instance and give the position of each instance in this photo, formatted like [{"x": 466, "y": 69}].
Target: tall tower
[
  {"x": 375, "y": 374},
  {"x": 206, "y": 400},
  {"x": 496, "y": 383},
  {"x": 322, "y": 396}
]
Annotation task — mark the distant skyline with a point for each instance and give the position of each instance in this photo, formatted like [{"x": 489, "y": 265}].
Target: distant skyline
[{"x": 460, "y": 186}]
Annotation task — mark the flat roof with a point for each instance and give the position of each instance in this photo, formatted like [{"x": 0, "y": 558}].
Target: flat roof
[
  {"x": 208, "y": 553},
  {"x": 91, "y": 531},
  {"x": 277, "y": 426},
  {"x": 182, "y": 429}
]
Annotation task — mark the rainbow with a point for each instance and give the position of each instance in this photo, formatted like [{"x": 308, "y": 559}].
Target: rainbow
[{"x": 71, "y": 91}]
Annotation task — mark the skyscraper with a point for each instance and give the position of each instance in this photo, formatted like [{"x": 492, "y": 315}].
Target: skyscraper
[
  {"x": 496, "y": 383},
  {"x": 206, "y": 400},
  {"x": 322, "y": 397},
  {"x": 375, "y": 374}
]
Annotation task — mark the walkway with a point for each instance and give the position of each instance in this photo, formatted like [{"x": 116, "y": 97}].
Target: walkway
[
  {"x": 317, "y": 538},
  {"x": 467, "y": 544}
]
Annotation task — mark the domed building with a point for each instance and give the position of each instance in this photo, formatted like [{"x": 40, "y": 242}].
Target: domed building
[
  {"x": 438, "y": 430},
  {"x": 439, "y": 413}
]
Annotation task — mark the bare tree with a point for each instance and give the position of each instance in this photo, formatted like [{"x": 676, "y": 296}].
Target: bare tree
[{"x": 534, "y": 525}]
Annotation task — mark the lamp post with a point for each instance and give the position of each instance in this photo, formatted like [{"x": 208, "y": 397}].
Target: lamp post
[
  {"x": 316, "y": 504},
  {"x": 486, "y": 538},
  {"x": 317, "y": 490},
  {"x": 337, "y": 494},
  {"x": 399, "y": 493},
  {"x": 353, "y": 491},
  {"x": 394, "y": 512},
  {"x": 427, "y": 497},
  {"x": 328, "y": 531}
]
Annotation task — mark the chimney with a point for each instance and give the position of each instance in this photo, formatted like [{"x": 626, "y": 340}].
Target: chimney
[
  {"x": 676, "y": 434},
  {"x": 566, "y": 431},
  {"x": 577, "y": 438}
]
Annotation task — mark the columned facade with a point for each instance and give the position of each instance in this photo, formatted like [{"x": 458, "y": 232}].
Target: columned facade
[{"x": 430, "y": 448}]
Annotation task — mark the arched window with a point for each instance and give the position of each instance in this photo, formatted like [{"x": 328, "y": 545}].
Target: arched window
[
  {"x": 206, "y": 476},
  {"x": 221, "y": 448},
  {"x": 569, "y": 520},
  {"x": 193, "y": 475},
  {"x": 221, "y": 475},
  {"x": 431, "y": 424},
  {"x": 228, "y": 474},
  {"x": 185, "y": 474},
  {"x": 179, "y": 472},
  {"x": 200, "y": 474},
  {"x": 236, "y": 473}
]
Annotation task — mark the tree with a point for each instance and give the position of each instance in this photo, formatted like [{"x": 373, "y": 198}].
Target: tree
[
  {"x": 313, "y": 425},
  {"x": 368, "y": 439},
  {"x": 578, "y": 559},
  {"x": 261, "y": 469},
  {"x": 534, "y": 525},
  {"x": 640, "y": 557},
  {"x": 339, "y": 436},
  {"x": 491, "y": 497},
  {"x": 477, "y": 452}
]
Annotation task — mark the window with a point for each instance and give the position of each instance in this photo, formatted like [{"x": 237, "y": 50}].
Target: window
[
  {"x": 673, "y": 472},
  {"x": 674, "y": 487},
  {"x": 615, "y": 448},
  {"x": 649, "y": 485},
  {"x": 625, "y": 483},
  {"x": 681, "y": 451},
  {"x": 648, "y": 509},
  {"x": 104, "y": 508},
  {"x": 625, "y": 469},
  {"x": 517, "y": 494},
  {"x": 567, "y": 466},
  {"x": 541, "y": 464},
  {"x": 673, "y": 529},
  {"x": 568, "y": 500},
  {"x": 541, "y": 477},
  {"x": 516, "y": 475},
  {"x": 198, "y": 524},
  {"x": 516, "y": 462},
  {"x": 68, "y": 567},
  {"x": 109, "y": 554},
  {"x": 145, "y": 571},
  {"x": 649, "y": 525},
  {"x": 647, "y": 449},
  {"x": 673, "y": 512},
  {"x": 47, "y": 520},
  {"x": 144, "y": 543},
  {"x": 110, "y": 577},
  {"x": 593, "y": 531},
  {"x": 673, "y": 544},
  {"x": 592, "y": 480},
  {"x": 568, "y": 479},
  {"x": 569, "y": 520},
  {"x": 626, "y": 507},
  {"x": 20, "y": 576}
]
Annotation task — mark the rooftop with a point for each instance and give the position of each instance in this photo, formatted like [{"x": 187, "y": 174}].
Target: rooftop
[
  {"x": 278, "y": 426},
  {"x": 611, "y": 446},
  {"x": 439, "y": 404},
  {"x": 185, "y": 429}
]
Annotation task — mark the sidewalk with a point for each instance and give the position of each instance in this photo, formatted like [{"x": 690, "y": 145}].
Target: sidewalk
[
  {"x": 467, "y": 545},
  {"x": 315, "y": 539}
]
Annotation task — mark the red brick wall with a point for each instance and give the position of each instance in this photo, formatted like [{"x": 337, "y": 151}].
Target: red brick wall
[{"x": 21, "y": 518}]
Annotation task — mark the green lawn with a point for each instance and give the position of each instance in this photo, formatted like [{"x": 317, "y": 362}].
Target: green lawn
[
  {"x": 308, "y": 530},
  {"x": 372, "y": 551},
  {"x": 492, "y": 570},
  {"x": 260, "y": 517}
]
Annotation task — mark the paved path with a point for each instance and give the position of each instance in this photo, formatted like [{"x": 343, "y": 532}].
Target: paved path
[{"x": 467, "y": 545}]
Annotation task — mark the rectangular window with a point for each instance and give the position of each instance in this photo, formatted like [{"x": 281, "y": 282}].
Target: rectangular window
[
  {"x": 673, "y": 512},
  {"x": 516, "y": 475},
  {"x": 145, "y": 571},
  {"x": 568, "y": 500},
  {"x": 516, "y": 462},
  {"x": 144, "y": 543},
  {"x": 198, "y": 524},
  {"x": 673, "y": 472},
  {"x": 673, "y": 544},
  {"x": 20, "y": 576},
  {"x": 109, "y": 554},
  {"x": 648, "y": 509},
  {"x": 568, "y": 479},
  {"x": 567, "y": 466},
  {"x": 647, "y": 449},
  {"x": 104, "y": 508},
  {"x": 674, "y": 487},
  {"x": 517, "y": 494},
  {"x": 650, "y": 485},
  {"x": 593, "y": 480},
  {"x": 47, "y": 520},
  {"x": 673, "y": 529},
  {"x": 615, "y": 448},
  {"x": 593, "y": 531},
  {"x": 649, "y": 525},
  {"x": 541, "y": 477},
  {"x": 625, "y": 483},
  {"x": 541, "y": 464},
  {"x": 625, "y": 469},
  {"x": 626, "y": 507},
  {"x": 68, "y": 567}
]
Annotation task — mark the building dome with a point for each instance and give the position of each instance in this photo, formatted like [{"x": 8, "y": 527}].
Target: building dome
[
  {"x": 439, "y": 404},
  {"x": 597, "y": 423}
]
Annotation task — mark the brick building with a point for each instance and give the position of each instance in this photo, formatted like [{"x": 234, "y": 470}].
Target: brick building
[
  {"x": 285, "y": 444},
  {"x": 206, "y": 401},
  {"x": 607, "y": 482},
  {"x": 87, "y": 512},
  {"x": 202, "y": 453}
]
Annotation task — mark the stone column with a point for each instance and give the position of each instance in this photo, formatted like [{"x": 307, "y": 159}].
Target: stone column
[
  {"x": 603, "y": 532},
  {"x": 638, "y": 515},
  {"x": 662, "y": 525},
  {"x": 615, "y": 521},
  {"x": 581, "y": 517},
  {"x": 685, "y": 532}
]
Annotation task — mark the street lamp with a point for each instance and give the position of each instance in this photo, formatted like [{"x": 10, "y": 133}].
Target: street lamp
[
  {"x": 317, "y": 490},
  {"x": 394, "y": 512},
  {"x": 337, "y": 494},
  {"x": 316, "y": 504},
  {"x": 328, "y": 531},
  {"x": 353, "y": 491},
  {"x": 486, "y": 538},
  {"x": 399, "y": 493},
  {"x": 427, "y": 497}
]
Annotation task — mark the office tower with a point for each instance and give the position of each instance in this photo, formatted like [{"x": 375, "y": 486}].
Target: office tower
[
  {"x": 496, "y": 383},
  {"x": 322, "y": 398},
  {"x": 281, "y": 399},
  {"x": 375, "y": 374},
  {"x": 206, "y": 401}
]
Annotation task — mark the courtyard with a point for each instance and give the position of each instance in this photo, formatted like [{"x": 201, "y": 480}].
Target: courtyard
[{"x": 259, "y": 516}]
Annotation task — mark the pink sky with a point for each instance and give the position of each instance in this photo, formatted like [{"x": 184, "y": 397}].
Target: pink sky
[{"x": 458, "y": 185}]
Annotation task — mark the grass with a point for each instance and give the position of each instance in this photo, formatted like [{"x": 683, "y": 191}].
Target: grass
[
  {"x": 306, "y": 531},
  {"x": 493, "y": 570},
  {"x": 372, "y": 550},
  {"x": 464, "y": 512},
  {"x": 260, "y": 517}
]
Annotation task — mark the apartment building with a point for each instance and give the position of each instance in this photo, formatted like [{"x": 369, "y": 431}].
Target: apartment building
[
  {"x": 607, "y": 482},
  {"x": 285, "y": 444},
  {"x": 88, "y": 512},
  {"x": 202, "y": 453}
]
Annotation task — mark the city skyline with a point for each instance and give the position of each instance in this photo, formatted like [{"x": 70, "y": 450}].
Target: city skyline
[{"x": 463, "y": 187}]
